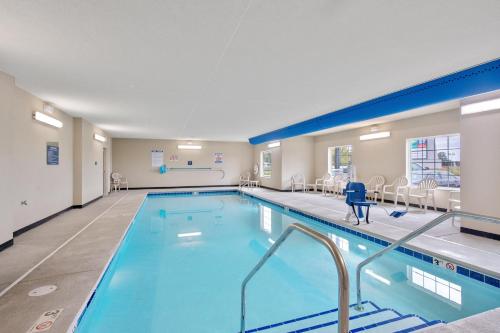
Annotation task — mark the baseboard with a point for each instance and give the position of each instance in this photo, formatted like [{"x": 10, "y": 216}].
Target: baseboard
[
  {"x": 39, "y": 222},
  {"x": 480, "y": 233},
  {"x": 48, "y": 218},
  {"x": 275, "y": 189},
  {"x": 7, "y": 244},
  {"x": 174, "y": 187},
  {"x": 86, "y": 204}
]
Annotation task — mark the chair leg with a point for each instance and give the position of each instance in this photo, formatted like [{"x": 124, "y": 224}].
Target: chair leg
[{"x": 355, "y": 214}]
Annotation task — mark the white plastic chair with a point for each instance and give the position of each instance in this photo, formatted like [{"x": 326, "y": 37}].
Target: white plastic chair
[
  {"x": 399, "y": 188},
  {"x": 298, "y": 181},
  {"x": 334, "y": 185},
  {"x": 118, "y": 180},
  {"x": 320, "y": 182},
  {"x": 454, "y": 201},
  {"x": 374, "y": 187},
  {"x": 426, "y": 189},
  {"x": 244, "y": 180}
]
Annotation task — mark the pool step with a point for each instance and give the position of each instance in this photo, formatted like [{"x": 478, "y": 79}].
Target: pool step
[{"x": 372, "y": 319}]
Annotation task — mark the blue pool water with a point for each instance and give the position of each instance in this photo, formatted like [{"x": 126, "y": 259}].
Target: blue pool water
[{"x": 180, "y": 268}]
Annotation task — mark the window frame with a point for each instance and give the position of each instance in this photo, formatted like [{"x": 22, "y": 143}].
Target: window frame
[
  {"x": 262, "y": 175},
  {"x": 409, "y": 162},
  {"x": 330, "y": 153}
]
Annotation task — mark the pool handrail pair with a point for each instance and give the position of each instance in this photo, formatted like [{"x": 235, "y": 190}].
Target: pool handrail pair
[
  {"x": 410, "y": 236},
  {"x": 343, "y": 275}
]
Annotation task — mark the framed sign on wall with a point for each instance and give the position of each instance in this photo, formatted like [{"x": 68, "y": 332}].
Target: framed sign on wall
[{"x": 52, "y": 153}]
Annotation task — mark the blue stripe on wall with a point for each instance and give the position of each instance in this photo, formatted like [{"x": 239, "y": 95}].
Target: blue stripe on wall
[{"x": 476, "y": 80}]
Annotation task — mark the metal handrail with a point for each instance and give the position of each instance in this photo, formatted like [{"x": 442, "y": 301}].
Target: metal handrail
[
  {"x": 343, "y": 275},
  {"x": 409, "y": 237}
]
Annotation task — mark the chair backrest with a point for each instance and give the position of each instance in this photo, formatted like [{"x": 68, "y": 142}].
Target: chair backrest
[
  {"x": 298, "y": 178},
  {"x": 245, "y": 176},
  {"x": 400, "y": 181},
  {"x": 355, "y": 192},
  {"x": 326, "y": 176},
  {"x": 116, "y": 176},
  {"x": 427, "y": 184},
  {"x": 338, "y": 178}
]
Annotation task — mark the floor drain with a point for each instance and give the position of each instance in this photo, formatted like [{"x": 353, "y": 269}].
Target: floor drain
[{"x": 44, "y": 290}]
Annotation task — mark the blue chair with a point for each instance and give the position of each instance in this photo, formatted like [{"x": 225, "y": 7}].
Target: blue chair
[{"x": 356, "y": 197}]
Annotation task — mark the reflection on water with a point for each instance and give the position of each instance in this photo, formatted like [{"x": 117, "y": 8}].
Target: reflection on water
[
  {"x": 435, "y": 285},
  {"x": 266, "y": 219},
  {"x": 341, "y": 242}
]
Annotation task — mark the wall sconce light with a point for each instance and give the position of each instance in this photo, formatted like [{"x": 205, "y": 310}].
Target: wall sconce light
[
  {"x": 43, "y": 118},
  {"x": 189, "y": 147},
  {"x": 373, "y": 136},
  {"x": 492, "y": 104},
  {"x": 99, "y": 137}
]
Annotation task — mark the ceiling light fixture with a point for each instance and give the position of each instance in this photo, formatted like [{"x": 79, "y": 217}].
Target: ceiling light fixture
[
  {"x": 274, "y": 144},
  {"x": 372, "y": 136},
  {"x": 99, "y": 137},
  {"x": 189, "y": 147},
  {"x": 41, "y": 117},
  {"x": 493, "y": 104}
]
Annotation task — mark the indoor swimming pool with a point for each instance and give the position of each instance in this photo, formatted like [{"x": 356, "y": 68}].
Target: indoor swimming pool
[{"x": 180, "y": 268}]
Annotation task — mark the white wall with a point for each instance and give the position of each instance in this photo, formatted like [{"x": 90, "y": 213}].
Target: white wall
[
  {"x": 132, "y": 158},
  {"x": 387, "y": 157},
  {"x": 480, "y": 140}
]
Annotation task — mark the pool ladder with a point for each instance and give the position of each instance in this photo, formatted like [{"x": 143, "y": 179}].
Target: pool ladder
[
  {"x": 410, "y": 236},
  {"x": 343, "y": 276}
]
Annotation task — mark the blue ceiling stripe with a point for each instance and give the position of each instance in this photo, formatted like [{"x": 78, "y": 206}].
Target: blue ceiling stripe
[{"x": 476, "y": 80}]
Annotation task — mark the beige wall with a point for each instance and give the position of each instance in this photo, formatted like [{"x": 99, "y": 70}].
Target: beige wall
[
  {"x": 275, "y": 180},
  {"x": 46, "y": 188},
  {"x": 90, "y": 156},
  {"x": 132, "y": 158},
  {"x": 480, "y": 154},
  {"x": 387, "y": 157},
  {"x": 6, "y": 103},
  {"x": 297, "y": 158}
]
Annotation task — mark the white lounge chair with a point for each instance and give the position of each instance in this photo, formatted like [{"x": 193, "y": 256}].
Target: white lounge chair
[
  {"x": 118, "y": 180},
  {"x": 298, "y": 182},
  {"x": 374, "y": 187},
  {"x": 320, "y": 182},
  {"x": 335, "y": 185},
  {"x": 398, "y": 188},
  {"x": 244, "y": 180},
  {"x": 425, "y": 190}
]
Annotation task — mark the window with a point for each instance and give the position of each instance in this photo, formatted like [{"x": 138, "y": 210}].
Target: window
[
  {"x": 436, "y": 157},
  {"x": 340, "y": 159},
  {"x": 265, "y": 164}
]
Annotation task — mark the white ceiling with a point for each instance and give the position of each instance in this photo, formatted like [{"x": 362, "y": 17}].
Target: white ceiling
[{"x": 232, "y": 69}]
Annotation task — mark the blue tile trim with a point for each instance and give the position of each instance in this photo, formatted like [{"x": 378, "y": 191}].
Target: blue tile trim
[
  {"x": 190, "y": 193},
  {"x": 481, "y": 277}
]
